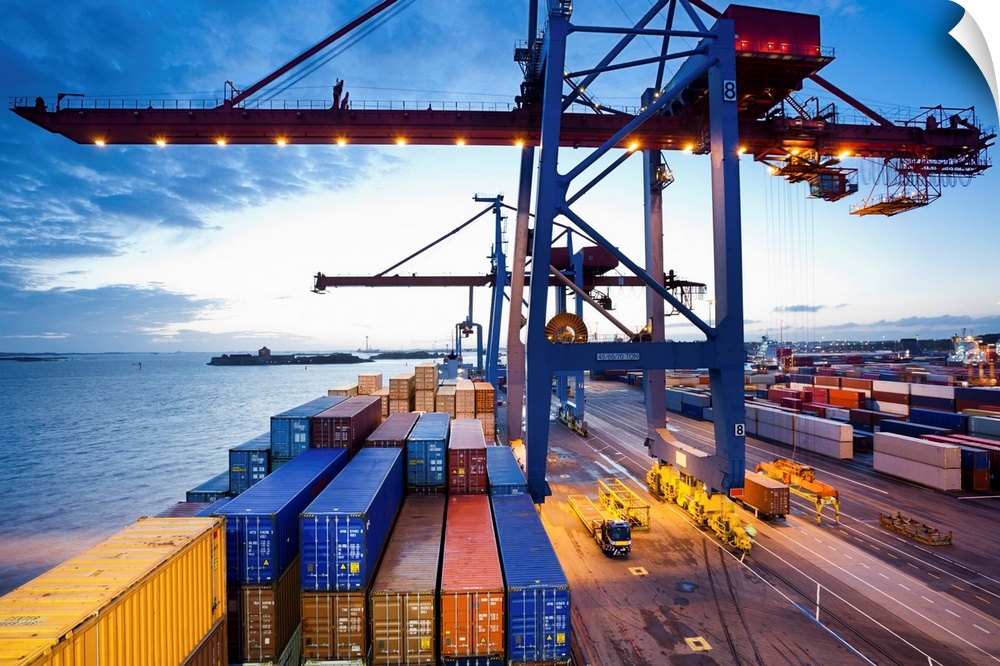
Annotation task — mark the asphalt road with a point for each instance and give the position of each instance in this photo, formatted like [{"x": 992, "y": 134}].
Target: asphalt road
[{"x": 826, "y": 594}]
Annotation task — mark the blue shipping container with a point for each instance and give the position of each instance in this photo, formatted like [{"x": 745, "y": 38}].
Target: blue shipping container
[
  {"x": 344, "y": 529},
  {"x": 910, "y": 429},
  {"x": 262, "y": 524},
  {"x": 290, "y": 430},
  {"x": 426, "y": 449},
  {"x": 950, "y": 420},
  {"x": 504, "y": 474},
  {"x": 249, "y": 463},
  {"x": 538, "y": 604},
  {"x": 214, "y": 489}
]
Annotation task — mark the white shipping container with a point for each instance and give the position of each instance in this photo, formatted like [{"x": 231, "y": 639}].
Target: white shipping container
[
  {"x": 838, "y": 414},
  {"x": 920, "y": 450},
  {"x": 933, "y": 391},
  {"x": 831, "y": 448},
  {"x": 776, "y": 433},
  {"x": 825, "y": 428},
  {"x": 775, "y": 417},
  {"x": 902, "y": 388},
  {"x": 918, "y": 472},
  {"x": 891, "y": 407}
]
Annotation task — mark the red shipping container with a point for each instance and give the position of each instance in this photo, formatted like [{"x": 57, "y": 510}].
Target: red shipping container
[
  {"x": 466, "y": 458},
  {"x": 471, "y": 600},
  {"x": 393, "y": 431},
  {"x": 346, "y": 425}
]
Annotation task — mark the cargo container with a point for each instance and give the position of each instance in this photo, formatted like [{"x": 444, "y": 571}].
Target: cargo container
[
  {"x": 249, "y": 463},
  {"x": 466, "y": 457},
  {"x": 789, "y": 34},
  {"x": 917, "y": 472},
  {"x": 263, "y": 618},
  {"x": 910, "y": 429},
  {"x": 538, "y": 596},
  {"x": 403, "y": 597},
  {"x": 149, "y": 594},
  {"x": 345, "y": 528},
  {"x": 291, "y": 430},
  {"x": 503, "y": 472},
  {"x": 347, "y": 424},
  {"x": 214, "y": 489},
  {"x": 426, "y": 449},
  {"x": 212, "y": 651},
  {"x": 184, "y": 509},
  {"x": 921, "y": 450},
  {"x": 765, "y": 496},
  {"x": 933, "y": 417},
  {"x": 262, "y": 524},
  {"x": 471, "y": 599},
  {"x": 334, "y": 627},
  {"x": 393, "y": 431}
]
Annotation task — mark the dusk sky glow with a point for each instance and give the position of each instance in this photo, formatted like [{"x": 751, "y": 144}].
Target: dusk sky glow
[{"x": 213, "y": 248}]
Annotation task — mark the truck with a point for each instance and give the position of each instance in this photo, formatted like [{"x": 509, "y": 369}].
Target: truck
[
  {"x": 614, "y": 536},
  {"x": 763, "y": 495}
]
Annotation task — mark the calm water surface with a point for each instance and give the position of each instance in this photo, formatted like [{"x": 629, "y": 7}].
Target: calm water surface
[{"x": 90, "y": 443}]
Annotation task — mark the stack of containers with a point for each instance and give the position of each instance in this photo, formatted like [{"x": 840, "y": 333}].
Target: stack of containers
[
  {"x": 931, "y": 464},
  {"x": 426, "y": 387},
  {"x": 343, "y": 533},
  {"x": 538, "y": 595},
  {"x": 403, "y": 597},
  {"x": 426, "y": 452},
  {"x": 445, "y": 400},
  {"x": 823, "y": 436},
  {"x": 249, "y": 463},
  {"x": 466, "y": 458},
  {"x": 154, "y": 593},
  {"x": 345, "y": 391},
  {"x": 291, "y": 430},
  {"x": 486, "y": 409},
  {"x": 383, "y": 395},
  {"x": 504, "y": 474},
  {"x": 393, "y": 431},
  {"x": 932, "y": 396},
  {"x": 262, "y": 550},
  {"x": 401, "y": 390},
  {"x": 346, "y": 425},
  {"x": 212, "y": 490},
  {"x": 471, "y": 599},
  {"x": 465, "y": 399},
  {"x": 369, "y": 383}
]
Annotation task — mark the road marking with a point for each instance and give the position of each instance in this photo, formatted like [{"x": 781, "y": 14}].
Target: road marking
[
  {"x": 985, "y": 601},
  {"x": 953, "y": 612},
  {"x": 864, "y": 565},
  {"x": 904, "y": 587},
  {"x": 911, "y": 564},
  {"x": 980, "y": 628},
  {"x": 883, "y": 575},
  {"x": 930, "y": 601}
]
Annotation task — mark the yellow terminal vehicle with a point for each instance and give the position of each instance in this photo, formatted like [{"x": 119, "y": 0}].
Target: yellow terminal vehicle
[
  {"x": 716, "y": 512},
  {"x": 614, "y": 536}
]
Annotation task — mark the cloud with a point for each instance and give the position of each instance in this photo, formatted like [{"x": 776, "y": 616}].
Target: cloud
[{"x": 799, "y": 308}]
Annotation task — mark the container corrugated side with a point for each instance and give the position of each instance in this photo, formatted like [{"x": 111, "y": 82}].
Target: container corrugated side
[
  {"x": 467, "y": 457},
  {"x": 262, "y": 524},
  {"x": 249, "y": 463},
  {"x": 403, "y": 597},
  {"x": 505, "y": 475},
  {"x": 291, "y": 430},
  {"x": 393, "y": 431},
  {"x": 917, "y": 472},
  {"x": 768, "y": 496},
  {"x": 471, "y": 599},
  {"x": 334, "y": 627},
  {"x": 212, "y": 490},
  {"x": 346, "y": 425},
  {"x": 426, "y": 449},
  {"x": 344, "y": 529},
  {"x": 921, "y": 450},
  {"x": 538, "y": 594},
  {"x": 263, "y": 618},
  {"x": 212, "y": 650},
  {"x": 149, "y": 594}
]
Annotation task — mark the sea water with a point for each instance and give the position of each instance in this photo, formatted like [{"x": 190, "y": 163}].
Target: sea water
[{"x": 89, "y": 443}]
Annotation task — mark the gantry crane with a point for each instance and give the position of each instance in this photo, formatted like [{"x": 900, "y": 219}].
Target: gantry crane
[{"x": 734, "y": 93}]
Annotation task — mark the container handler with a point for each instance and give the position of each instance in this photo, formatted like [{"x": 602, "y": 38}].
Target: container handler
[
  {"x": 614, "y": 536},
  {"x": 716, "y": 512},
  {"x": 801, "y": 480}
]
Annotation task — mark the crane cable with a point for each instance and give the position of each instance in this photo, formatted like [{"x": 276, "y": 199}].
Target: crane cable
[{"x": 335, "y": 51}]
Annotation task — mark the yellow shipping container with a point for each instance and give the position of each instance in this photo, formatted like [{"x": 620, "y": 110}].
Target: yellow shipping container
[{"x": 147, "y": 595}]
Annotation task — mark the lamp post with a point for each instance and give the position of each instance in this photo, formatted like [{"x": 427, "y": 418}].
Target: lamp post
[{"x": 710, "y": 304}]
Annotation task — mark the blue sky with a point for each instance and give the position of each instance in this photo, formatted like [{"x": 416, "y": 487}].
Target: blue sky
[{"x": 199, "y": 248}]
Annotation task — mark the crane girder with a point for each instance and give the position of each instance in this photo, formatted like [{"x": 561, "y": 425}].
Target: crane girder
[
  {"x": 770, "y": 138},
  {"x": 321, "y": 281}
]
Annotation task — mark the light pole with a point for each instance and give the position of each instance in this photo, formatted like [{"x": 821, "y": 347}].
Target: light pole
[{"x": 710, "y": 304}]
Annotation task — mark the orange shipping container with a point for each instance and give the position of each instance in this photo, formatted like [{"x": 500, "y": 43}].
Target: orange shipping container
[
  {"x": 472, "y": 593},
  {"x": 334, "y": 626},
  {"x": 149, "y": 594},
  {"x": 404, "y": 594}
]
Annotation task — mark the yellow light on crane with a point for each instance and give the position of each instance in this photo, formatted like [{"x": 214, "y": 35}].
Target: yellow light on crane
[
  {"x": 634, "y": 146},
  {"x": 741, "y": 150},
  {"x": 795, "y": 151},
  {"x": 161, "y": 141},
  {"x": 689, "y": 148},
  {"x": 400, "y": 141},
  {"x": 845, "y": 154},
  {"x": 281, "y": 141},
  {"x": 460, "y": 142},
  {"x": 220, "y": 141},
  {"x": 519, "y": 143},
  {"x": 341, "y": 141},
  {"x": 99, "y": 142}
]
